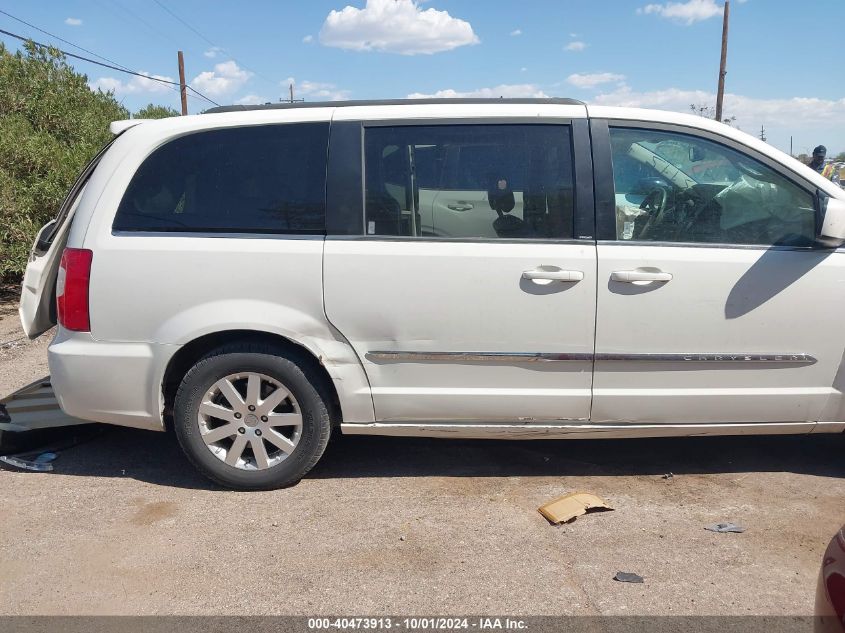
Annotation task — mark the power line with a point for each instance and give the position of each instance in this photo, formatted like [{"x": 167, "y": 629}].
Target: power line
[
  {"x": 155, "y": 31},
  {"x": 203, "y": 37},
  {"x": 208, "y": 41},
  {"x": 106, "y": 59},
  {"x": 53, "y": 35},
  {"x": 110, "y": 66}
]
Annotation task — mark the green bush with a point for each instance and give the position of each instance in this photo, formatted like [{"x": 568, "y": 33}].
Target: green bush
[
  {"x": 153, "y": 111},
  {"x": 51, "y": 125}
]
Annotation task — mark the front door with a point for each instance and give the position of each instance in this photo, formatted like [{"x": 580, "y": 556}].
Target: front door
[
  {"x": 492, "y": 323},
  {"x": 713, "y": 304}
]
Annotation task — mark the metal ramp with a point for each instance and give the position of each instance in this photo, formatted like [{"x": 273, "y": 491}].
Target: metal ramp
[{"x": 33, "y": 408}]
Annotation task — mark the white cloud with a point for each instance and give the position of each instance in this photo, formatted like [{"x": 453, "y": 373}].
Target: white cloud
[
  {"x": 503, "y": 90},
  {"x": 576, "y": 46},
  {"x": 251, "y": 100},
  {"x": 213, "y": 52},
  {"x": 135, "y": 85},
  {"x": 316, "y": 90},
  {"x": 308, "y": 39},
  {"x": 746, "y": 109},
  {"x": 810, "y": 120},
  {"x": 591, "y": 80},
  {"x": 573, "y": 35},
  {"x": 516, "y": 32},
  {"x": 226, "y": 78},
  {"x": 687, "y": 12},
  {"x": 523, "y": 69},
  {"x": 395, "y": 26},
  {"x": 73, "y": 21}
]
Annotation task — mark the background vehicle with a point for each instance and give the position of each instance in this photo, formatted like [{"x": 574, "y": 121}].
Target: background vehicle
[
  {"x": 514, "y": 268},
  {"x": 830, "y": 595}
]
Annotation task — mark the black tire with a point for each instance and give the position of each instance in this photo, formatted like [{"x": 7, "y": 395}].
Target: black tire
[{"x": 306, "y": 387}]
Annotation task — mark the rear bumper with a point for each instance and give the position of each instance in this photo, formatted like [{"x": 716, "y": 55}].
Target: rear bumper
[{"x": 114, "y": 383}]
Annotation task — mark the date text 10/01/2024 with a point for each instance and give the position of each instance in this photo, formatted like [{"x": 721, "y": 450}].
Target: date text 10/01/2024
[{"x": 417, "y": 623}]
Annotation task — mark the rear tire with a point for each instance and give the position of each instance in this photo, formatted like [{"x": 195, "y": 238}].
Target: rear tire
[{"x": 252, "y": 417}]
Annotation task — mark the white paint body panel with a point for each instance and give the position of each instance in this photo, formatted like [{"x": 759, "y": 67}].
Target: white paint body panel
[
  {"x": 720, "y": 300},
  {"x": 458, "y": 297}
]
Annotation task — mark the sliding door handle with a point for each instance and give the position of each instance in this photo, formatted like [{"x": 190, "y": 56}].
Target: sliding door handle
[
  {"x": 633, "y": 276},
  {"x": 553, "y": 275}
]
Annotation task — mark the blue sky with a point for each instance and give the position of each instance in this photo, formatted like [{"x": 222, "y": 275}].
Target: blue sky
[{"x": 784, "y": 68}]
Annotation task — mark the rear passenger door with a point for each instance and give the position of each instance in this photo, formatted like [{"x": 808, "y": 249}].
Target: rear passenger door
[{"x": 486, "y": 317}]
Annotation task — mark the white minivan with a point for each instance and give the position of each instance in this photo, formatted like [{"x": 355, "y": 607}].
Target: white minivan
[{"x": 256, "y": 277}]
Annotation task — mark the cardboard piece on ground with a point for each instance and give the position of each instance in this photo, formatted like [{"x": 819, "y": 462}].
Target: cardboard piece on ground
[
  {"x": 626, "y": 576},
  {"x": 567, "y": 507},
  {"x": 725, "y": 527}
]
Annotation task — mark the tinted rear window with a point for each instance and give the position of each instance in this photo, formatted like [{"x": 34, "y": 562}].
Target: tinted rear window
[{"x": 262, "y": 179}]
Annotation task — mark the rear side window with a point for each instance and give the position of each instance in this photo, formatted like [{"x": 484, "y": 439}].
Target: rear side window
[{"x": 261, "y": 179}]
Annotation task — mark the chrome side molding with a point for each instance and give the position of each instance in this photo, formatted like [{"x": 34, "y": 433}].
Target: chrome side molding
[
  {"x": 792, "y": 359},
  {"x": 483, "y": 357},
  {"x": 554, "y": 357}
]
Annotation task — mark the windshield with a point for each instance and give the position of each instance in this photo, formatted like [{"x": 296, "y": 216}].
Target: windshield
[{"x": 696, "y": 161}]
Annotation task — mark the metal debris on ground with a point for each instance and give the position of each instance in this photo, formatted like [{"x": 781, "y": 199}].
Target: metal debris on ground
[
  {"x": 624, "y": 576},
  {"x": 725, "y": 527},
  {"x": 668, "y": 476},
  {"x": 41, "y": 464},
  {"x": 567, "y": 507}
]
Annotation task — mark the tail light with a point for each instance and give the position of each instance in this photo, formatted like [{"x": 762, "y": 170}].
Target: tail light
[{"x": 72, "y": 289}]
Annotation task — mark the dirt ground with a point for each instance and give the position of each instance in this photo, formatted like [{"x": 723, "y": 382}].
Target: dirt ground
[{"x": 411, "y": 526}]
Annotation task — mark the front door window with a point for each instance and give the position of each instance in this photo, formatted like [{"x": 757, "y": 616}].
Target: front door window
[{"x": 673, "y": 187}]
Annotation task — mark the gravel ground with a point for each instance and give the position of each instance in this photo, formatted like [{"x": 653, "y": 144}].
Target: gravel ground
[{"x": 411, "y": 526}]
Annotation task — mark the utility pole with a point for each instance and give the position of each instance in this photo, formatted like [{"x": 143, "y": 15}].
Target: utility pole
[
  {"x": 291, "y": 99},
  {"x": 183, "y": 91},
  {"x": 720, "y": 95},
  {"x": 762, "y": 133},
  {"x": 790, "y": 146}
]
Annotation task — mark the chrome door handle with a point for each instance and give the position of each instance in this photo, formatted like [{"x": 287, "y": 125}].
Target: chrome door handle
[
  {"x": 463, "y": 206},
  {"x": 553, "y": 275},
  {"x": 633, "y": 276}
]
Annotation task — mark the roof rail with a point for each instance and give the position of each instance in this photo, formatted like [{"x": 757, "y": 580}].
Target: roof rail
[{"x": 379, "y": 102}]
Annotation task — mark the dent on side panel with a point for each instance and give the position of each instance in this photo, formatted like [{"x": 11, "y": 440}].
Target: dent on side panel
[{"x": 316, "y": 336}]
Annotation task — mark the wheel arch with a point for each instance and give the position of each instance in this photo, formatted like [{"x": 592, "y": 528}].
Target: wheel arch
[{"x": 190, "y": 353}]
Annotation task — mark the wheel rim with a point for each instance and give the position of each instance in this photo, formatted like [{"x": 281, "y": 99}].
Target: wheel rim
[{"x": 250, "y": 421}]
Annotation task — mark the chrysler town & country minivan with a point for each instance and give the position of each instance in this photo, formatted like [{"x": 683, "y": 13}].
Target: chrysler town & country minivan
[{"x": 260, "y": 277}]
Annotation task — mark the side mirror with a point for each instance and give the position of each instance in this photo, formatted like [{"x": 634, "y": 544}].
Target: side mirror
[
  {"x": 833, "y": 228},
  {"x": 696, "y": 154}
]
